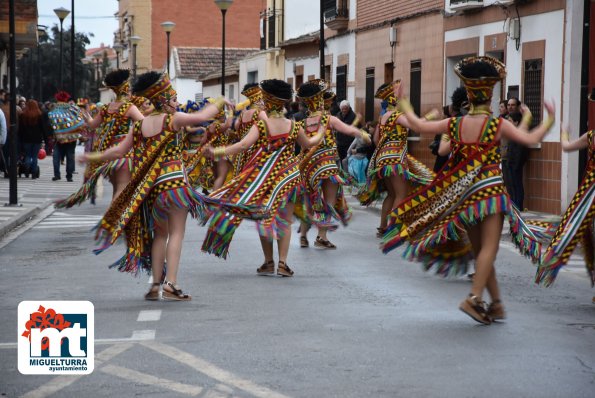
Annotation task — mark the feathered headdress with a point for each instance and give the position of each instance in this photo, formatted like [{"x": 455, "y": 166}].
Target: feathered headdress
[
  {"x": 386, "y": 92},
  {"x": 479, "y": 75},
  {"x": 62, "y": 96}
]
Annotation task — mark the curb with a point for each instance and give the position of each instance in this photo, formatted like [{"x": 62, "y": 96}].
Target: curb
[{"x": 25, "y": 216}]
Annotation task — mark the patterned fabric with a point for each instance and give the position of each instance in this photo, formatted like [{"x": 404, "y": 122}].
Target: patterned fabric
[
  {"x": 67, "y": 122},
  {"x": 158, "y": 183},
  {"x": 433, "y": 219},
  {"x": 575, "y": 227},
  {"x": 319, "y": 165},
  {"x": 391, "y": 158},
  {"x": 268, "y": 181},
  {"x": 199, "y": 168},
  {"x": 480, "y": 89},
  {"x": 243, "y": 128},
  {"x": 112, "y": 131}
]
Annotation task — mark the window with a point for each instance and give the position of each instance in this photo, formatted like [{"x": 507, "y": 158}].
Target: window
[
  {"x": 263, "y": 30},
  {"x": 272, "y": 31},
  {"x": 415, "y": 85},
  {"x": 252, "y": 77},
  {"x": 388, "y": 72},
  {"x": 369, "y": 94},
  {"x": 341, "y": 89},
  {"x": 299, "y": 80},
  {"x": 231, "y": 92},
  {"x": 327, "y": 73},
  {"x": 533, "y": 70}
]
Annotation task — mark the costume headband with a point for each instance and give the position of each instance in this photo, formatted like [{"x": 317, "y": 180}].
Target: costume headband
[
  {"x": 386, "y": 92},
  {"x": 160, "y": 92},
  {"x": 315, "y": 102},
  {"x": 480, "y": 89}
]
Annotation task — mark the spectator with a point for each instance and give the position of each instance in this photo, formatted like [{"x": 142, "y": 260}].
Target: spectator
[
  {"x": 502, "y": 108},
  {"x": 347, "y": 116},
  {"x": 517, "y": 157},
  {"x": 357, "y": 161},
  {"x": 32, "y": 135},
  {"x": 5, "y": 107},
  {"x": 513, "y": 105}
]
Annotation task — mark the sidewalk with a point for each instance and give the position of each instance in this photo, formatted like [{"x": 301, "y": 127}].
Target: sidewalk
[{"x": 35, "y": 195}]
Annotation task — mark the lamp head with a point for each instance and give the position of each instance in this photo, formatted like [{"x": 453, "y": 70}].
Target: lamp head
[
  {"x": 223, "y": 4},
  {"x": 117, "y": 47},
  {"x": 168, "y": 26},
  {"x": 134, "y": 40},
  {"x": 61, "y": 13}
]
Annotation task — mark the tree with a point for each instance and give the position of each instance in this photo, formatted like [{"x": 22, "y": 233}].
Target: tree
[{"x": 49, "y": 54}]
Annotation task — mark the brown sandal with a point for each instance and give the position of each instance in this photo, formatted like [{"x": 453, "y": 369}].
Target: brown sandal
[
  {"x": 153, "y": 294},
  {"x": 176, "y": 294},
  {"x": 476, "y": 309},
  {"x": 304, "y": 241},
  {"x": 323, "y": 244},
  {"x": 268, "y": 268},
  {"x": 496, "y": 311},
  {"x": 380, "y": 232},
  {"x": 284, "y": 270}
]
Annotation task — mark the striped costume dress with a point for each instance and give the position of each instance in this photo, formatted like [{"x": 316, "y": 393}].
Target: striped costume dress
[
  {"x": 158, "y": 183},
  {"x": 392, "y": 158},
  {"x": 575, "y": 227},
  {"x": 243, "y": 128},
  {"x": 432, "y": 220},
  {"x": 317, "y": 166},
  {"x": 112, "y": 131},
  {"x": 269, "y": 180}
]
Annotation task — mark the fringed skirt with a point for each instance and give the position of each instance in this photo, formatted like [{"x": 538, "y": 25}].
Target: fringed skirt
[
  {"x": 432, "y": 222},
  {"x": 92, "y": 175},
  {"x": 575, "y": 227},
  {"x": 389, "y": 160}
]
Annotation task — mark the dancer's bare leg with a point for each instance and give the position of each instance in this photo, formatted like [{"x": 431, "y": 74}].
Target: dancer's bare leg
[
  {"x": 329, "y": 192},
  {"x": 119, "y": 179},
  {"x": 158, "y": 251},
  {"x": 221, "y": 168},
  {"x": 283, "y": 242},
  {"x": 267, "y": 249},
  {"x": 400, "y": 187},
  {"x": 491, "y": 229},
  {"x": 387, "y": 204},
  {"x": 176, "y": 229}
]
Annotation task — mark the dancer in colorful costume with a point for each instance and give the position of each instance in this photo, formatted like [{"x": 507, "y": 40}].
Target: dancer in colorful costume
[
  {"x": 391, "y": 168},
  {"x": 576, "y": 225},
  {"x": 151, "y": 210},
  {"x": 270, "y": 182},
  {"x": 468, "y": 195},
  {"x": 324, "y": 201},
  {"x": 112, "y": 123},
  {"x": 248, "y": 117},
  {"x": 67, "y": 123}
]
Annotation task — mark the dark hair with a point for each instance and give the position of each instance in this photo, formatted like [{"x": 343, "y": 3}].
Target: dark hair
[
  {"x": 478, "y": 69},
  {"x": 503, "y": 102},
  {"x": 515, "y": 117},
  {"x": 117, "y": 77},
  {"x": 145, "y": 81},
  {"x": 248, "y": 86},
  {"x": 308, "y": 89},
  {"x": 294, "y": 106},
  {"x": 277, "y": 88},
  {"x": 459, "y": 96},
  {"x": 516, "y": 101},
  {"x": 446, "y": 110}
]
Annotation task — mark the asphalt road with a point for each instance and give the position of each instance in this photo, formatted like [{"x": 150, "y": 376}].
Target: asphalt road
[{"x": 351, "y": 323}]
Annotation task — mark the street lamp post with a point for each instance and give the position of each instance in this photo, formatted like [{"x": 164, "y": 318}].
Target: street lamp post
[
  {"x": 72, "y": 69},
  {"x": 118, "y": 48},
  {"x": 97, "y": 57},
  {"x": 134, "y": 40},
  {"x": 61, "y": 13},
  {"x": 41, "y": 32},
  {"x": 223, "y": 6},
  {"x": 168, "y": 27}
]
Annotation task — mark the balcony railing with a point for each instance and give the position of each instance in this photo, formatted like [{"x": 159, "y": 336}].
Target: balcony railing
[{"x": 459, "y": 5}]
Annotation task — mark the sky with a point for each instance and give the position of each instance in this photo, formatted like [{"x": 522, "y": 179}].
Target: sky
[{"x": 91, "y": 16}]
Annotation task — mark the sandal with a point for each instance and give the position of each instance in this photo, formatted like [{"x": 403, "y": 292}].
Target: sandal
[
  {"x": 284, "y": 270},
  {"x": 476, "y": 309},
  {"x": 176, "y": 294},
  {"x": 496, "y": 311},
  {"x": 153, "y": 293},
  {"x": 380, "y": 232},
  {"x": 304, "y": 241},
  {"x": 323, "y": 244},
  {"x": 268, "y": 268}
]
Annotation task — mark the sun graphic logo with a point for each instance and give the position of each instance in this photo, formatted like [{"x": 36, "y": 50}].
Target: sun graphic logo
[{"x": 56, "y": 337}]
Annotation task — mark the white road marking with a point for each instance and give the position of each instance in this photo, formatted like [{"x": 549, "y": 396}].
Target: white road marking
[
  {"x": 213, "y": 371},
  {"x": 138, "y": 377},
  {"x": 143, "y": 335},
  {"x": 61, "y": 382},
  {"x": 149, "y": 316}
]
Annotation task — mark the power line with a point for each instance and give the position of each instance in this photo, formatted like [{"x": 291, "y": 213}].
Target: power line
[{"x": 84, "y": 16}]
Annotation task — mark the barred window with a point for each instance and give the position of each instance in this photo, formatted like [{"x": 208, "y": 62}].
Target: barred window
[
  {"x": 532, "y": 88},
  {"x": 341, "y": 82}
]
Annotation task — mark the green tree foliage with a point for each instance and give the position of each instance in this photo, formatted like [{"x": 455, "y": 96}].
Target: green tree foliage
[{"x": 49, "y": 62}]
